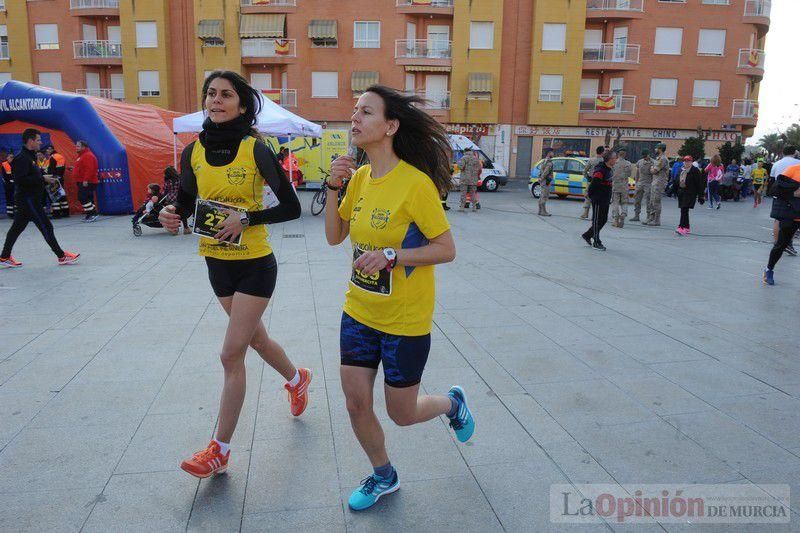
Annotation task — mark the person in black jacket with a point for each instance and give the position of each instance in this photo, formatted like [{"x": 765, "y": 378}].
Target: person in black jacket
[
  {"x": 28, "y": 199},
  {"x": 786, "y": 212},
  {"x": 599, "y": 193},
  {"x": 689, "y": 186}
]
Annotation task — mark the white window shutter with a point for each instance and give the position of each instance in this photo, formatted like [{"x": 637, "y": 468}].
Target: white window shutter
[
  {"x": 324, "y": 84},
  {"x": 481, "y": 35},
  {"x": 146, "y": 35},
  {"x": 669, "y": 41},
  {"x": 554, "y": 37},
  {"x": 663, "y": 91},
  {"x": 711, "y": 42}
]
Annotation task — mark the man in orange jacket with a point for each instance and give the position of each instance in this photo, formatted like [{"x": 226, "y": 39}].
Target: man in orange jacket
[
  {"x": 56, "y": 165},
  {"x": 85, "y": 175},
  {"x": 8, "y": 183}
]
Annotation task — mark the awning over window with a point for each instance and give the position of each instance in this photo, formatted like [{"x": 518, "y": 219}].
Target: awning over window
[
  {"x": 426, "y": 68},
  {"x": 322, "y": 29},
  {"x": 363, "y": 79},
  {"x": 261, "y": 25},
  {"x": 480, "y": 82},
  {"x": 210, "y": 30}
]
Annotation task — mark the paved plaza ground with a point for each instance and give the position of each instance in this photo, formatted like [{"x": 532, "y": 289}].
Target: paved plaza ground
[{"x": 663, "y": 360}]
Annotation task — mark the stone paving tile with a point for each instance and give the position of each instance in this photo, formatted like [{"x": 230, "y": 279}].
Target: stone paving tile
[{"x": 570, "y": 379}]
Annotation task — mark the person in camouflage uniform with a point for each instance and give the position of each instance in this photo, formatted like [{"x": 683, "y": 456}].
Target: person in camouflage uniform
[
  {"x": 660, "y": 171},
  {"x": 587, "y": 175},
  {"x": 545, "y": 178},
  {"x": 470, "y": 173},
  {"x": 643, "y": 181},
  {"x": 619, "y": 189}
]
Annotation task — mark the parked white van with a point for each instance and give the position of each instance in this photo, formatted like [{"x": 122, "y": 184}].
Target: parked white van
[{"x": 493, "y": 175}]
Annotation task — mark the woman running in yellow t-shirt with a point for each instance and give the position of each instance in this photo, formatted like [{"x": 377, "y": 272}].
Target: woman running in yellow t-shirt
[
  {"x": 230, "y": 164},
  {"x": 759, "y": 177},
  {"x": 399, "y": 231}
]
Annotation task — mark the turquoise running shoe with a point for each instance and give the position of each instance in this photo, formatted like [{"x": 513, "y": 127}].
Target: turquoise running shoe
[
  {"x": 463, "y": 423},
  {"x": 371, "y": 490}
]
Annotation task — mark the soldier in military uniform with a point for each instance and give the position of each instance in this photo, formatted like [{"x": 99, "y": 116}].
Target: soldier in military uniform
[
  {"x": 587, "y": 175},
  {"x": 643, "y": 181},
  {"x": 660, "y": 171},
  {"x": 470, "y": 173},
  {"x": 545, "y": 178},
  {"x": 619, "y": 189}
]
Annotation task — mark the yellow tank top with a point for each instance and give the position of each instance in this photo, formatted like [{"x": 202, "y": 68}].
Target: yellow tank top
[{"x": 238, "y": 184}]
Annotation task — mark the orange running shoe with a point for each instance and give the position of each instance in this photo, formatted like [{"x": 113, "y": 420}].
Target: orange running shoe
[
  {"x": 298, "y": 395},
  {"x": 68, "y": 259},
  {"x": 207, "y": 462},
  {"x": 10, "y": 262}
]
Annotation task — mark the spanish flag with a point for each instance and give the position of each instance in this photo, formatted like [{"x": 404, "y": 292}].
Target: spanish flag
[
  {"x": 753, "y": 59},
  {"x": 272, "y": 94},
  {"x": 420, "y": 2},
  {"x": 281, "y": 47},
  {"x": 605, "y": 103},
  {"x": 260, "y": 2},
  {"x": 755, "y": 110}
]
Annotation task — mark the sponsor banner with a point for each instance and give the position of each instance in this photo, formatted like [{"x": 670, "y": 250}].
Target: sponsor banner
[
  {"x": 471, "y": 129},
  {"x": 627, "y": 133}
]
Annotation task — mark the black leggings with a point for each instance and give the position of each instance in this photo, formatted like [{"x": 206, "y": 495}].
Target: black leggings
[
  {"x": 786, "y": 232},
  {"x": 599, "y": 219},
  {"x": 29, "y": 209},
  {"x": 684, "y": 223}
]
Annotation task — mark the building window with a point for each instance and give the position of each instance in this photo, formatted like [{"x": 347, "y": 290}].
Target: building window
[
  {"x": 3, "y": 42},
  {"x": 717, "y": 2},
  {"x": 669, "y": 41},
  {"x": 146, "y": 35},
  {"x": 711, "y": 43},
  {"x": 481, "y": 35},
  {"x": 324, "y": 85},
  {"x": 261, "y": 80},
  {"x": 554, "y": 37},
  {"x": 706, "y": 93},
  {"x": 211, "y": 33},
  {"x": 4, "y": 77},
  {"x": 672, "y": 1},
  {"x": 366, "y": 34},
  {"x": 663, "y": 91},
  {"x": 46, "y": 36},
  {"x": 50, "y": 79},
  {"x": 323, "y": 33},
  {"x": 149, "y": 83},
  {"x": 550, "y": 87}
]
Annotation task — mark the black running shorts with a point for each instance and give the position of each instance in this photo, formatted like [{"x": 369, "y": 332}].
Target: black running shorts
[{"x": 255, "y": 277}]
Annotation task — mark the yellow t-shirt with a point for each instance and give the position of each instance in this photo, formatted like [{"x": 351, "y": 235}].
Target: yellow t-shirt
[
  {"x": 238, "y": 184},
  {"x": 400, "y": 210},
  {"x": 759, "y": 174}
]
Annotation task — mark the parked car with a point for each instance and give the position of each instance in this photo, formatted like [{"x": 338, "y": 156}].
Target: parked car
[
  {"x": 568, "y": 178},
  {"x": 493, "y": 175}
]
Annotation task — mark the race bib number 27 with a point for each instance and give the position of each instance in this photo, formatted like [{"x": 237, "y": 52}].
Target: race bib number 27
[
  {"x": 378, "y": 283},
  {"x": 208, "y": 214}
]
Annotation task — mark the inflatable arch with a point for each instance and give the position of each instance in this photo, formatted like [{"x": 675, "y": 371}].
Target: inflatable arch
[{"x": 133, "y": 143}]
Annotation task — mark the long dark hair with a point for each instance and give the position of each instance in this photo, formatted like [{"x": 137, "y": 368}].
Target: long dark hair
[
  {"x": 420, "y": 141},
  {"x": 249, "y": 96}
]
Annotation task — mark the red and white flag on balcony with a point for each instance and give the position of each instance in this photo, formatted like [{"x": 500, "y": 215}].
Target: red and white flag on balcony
[
  {"x": 420, "y": 2},
  {"x": 755, "y": 110},
  {"x": 261, "y": 2},
  {"x": 272, "y": 94},
  {"x": 281, "y": 47},
  {"x": 753, "y": 58},
  {"x": 605, "y": 103}
]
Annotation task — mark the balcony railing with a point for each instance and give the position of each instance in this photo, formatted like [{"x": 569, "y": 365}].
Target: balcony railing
[
  {"x": 111, "y": 94},
  {"x": 608, "y": 103},
  {"x": 433, "y": 99},
  {"x": 423, "y": 3},
  {"x": 4, "y": 51},
  {"x": 745, "y": 109},
  {"x": 611, "y": 53},
  {"x": 97, "y": 49},
  {"x": 757, "y": 8},
  {"x": 268, "y": 3},
  {"x": 94, "y": 4},
  {"x": 423, "y": 49},
  {"x": 615, "y": 5},
  {"x": 282, "y": 97},
  {"x": 269, "y": 48},
  {"x": 751, "y": 58}
]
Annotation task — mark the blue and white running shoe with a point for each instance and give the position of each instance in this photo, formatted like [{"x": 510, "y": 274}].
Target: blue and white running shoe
[
  {"x": 462, "y": 423},
  {"x": 371, "y": 490}
]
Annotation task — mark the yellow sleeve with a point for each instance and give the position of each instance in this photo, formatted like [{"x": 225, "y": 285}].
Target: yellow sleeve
[
  {"x": 428, "y": 213},
  {"x": 350, "y": 196}
]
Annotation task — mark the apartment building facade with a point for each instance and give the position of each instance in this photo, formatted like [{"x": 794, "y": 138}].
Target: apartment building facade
[{"x": 518, "y": 75}]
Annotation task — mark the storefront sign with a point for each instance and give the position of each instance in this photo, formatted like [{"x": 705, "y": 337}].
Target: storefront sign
[
  {"x": 470, "y": 129},
  {"x": 627, "y": 133}
]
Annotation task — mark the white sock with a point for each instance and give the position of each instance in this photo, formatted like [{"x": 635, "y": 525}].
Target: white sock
[
  {"x": 223, "y": 447},
  {"x": 296, "y": 379}
]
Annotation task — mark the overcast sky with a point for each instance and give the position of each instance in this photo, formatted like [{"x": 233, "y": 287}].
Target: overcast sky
[{"x": 779, "y": 98}]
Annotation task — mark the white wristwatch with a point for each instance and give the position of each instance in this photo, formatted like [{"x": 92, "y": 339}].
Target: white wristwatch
[
  {"x": 244, "y": 219},
  {"x": 391, "y": 255}
]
